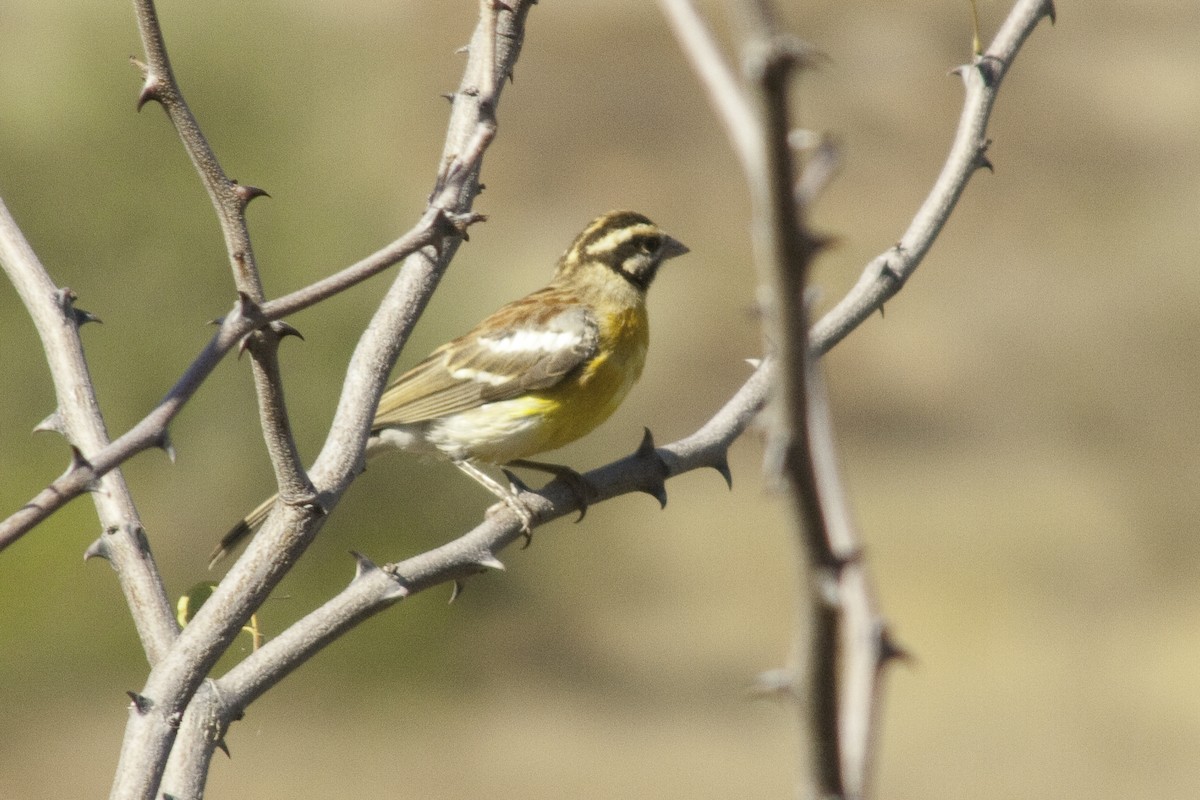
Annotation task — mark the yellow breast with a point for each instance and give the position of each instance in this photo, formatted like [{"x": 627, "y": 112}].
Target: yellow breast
[{"x": 541, "y": 421}]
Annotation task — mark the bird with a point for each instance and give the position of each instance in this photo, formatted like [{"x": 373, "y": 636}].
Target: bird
[{"x": 535, "y": 375}]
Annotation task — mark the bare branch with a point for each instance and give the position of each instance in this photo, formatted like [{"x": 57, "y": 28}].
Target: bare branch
[
  {"x": 151, "y": 431},
  {"x": 229, "y": 200},
  {"x": 785, "y": 250},
  {"x": 887, "y": 272},
  {"x": 78, "y": 418},
  {"x": 728, "y": 99},
  {"x": 374, "y": 589},
  {"x": 838, "y": 701}
]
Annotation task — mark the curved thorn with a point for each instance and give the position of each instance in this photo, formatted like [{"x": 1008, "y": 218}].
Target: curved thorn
[
  {"x": 490, "y": 561},
  {"x": 140, "y": 702},
  {"x": 97, "y": 549},
  {"x": 149, "y": 92},
  {"x": 284, "y": 329},
  {"x": 888, "y": 649},
  {"x": 245, "y": 193},
  {"x": 362, "y": 564},
  {"x": 83, "y": 317},
  {"x": 658, "y": 491},
  {"x": 78, "y": 460},
  {"x": 164, "y": 443},
  {"x": 722, "y": 466},
  {"x": 51, "y": 424},
  {"x": 456, "y": 589}
]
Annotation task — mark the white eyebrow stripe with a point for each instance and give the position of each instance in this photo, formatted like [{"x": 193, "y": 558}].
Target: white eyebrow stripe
[
  {"x": 479, "y": 376},
  {"x": 618, "y": 237},
  {"x": 532, "y": 341}
]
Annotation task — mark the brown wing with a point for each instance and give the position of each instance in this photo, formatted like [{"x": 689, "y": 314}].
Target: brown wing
[{"x": 528, "y": 345}]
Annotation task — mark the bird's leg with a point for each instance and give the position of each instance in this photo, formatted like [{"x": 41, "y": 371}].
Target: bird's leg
[
  {"x": 510, "y": 499},
  {"x": 584, "y": 492}
]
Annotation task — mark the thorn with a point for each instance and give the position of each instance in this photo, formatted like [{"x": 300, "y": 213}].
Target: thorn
[
  {"x": 458, "y": 223},
  {"x": 647, "y": 450},
  {"x": 51, "y": 424},
  {"x": 150, "y": 89},
  {"x": 887, "y": 270},
  {"x": 990, "y": 69},
  {"x": 164, "y": 444},
  {"x": 466, "y": 48},
  {"x": 224, "y": 748},
  {"x": 490, "y": 561},
  {"x": 448, "y": 96},
  {"x": 455, "y": 590},
  {"x": 479, "y": 189},
  {"x": 84, "y": 317},
  {"x": 285, "y": 329},
  {"x": 889, "y": 649},
  {"x": 822, "y": 242},
  {"x": 722, "y": 466},
  {"x": 66, "y": 300},
  {"x": 882, "y": 315},
  {"x": 1049, "y": 11},
  {"x": 658, "y": 492},
  {"x": 78, "y": 460},
  {"x": 140, "y": 702},
  {"x": 754, "y": 362},
  {"x": 97, "y": 549},
  {"x": 246, "y": 307},
  {"x": 981, "y": 159},
  {"x": 245, "y": 193},
  {"x": 362, "y": 565}
]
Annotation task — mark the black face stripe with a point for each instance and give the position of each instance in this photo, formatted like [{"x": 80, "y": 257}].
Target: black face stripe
[{"x": 625, "y": 242}]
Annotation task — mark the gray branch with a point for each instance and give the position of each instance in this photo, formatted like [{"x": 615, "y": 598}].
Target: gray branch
[
  {"x": 77, "y": 417},
  {"x": 159, "y": 709},
  {"x": 837, "y": 683}
]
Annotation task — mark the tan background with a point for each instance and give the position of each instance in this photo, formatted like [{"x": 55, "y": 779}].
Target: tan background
[{"x": 1020, "y": 432}]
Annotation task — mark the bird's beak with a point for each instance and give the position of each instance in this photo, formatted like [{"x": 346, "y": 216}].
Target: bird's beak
[{"x": 673, "y": 247}]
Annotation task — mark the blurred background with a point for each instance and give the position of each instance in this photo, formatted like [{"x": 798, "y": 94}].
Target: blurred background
[{"x": 1020, "y": 436}]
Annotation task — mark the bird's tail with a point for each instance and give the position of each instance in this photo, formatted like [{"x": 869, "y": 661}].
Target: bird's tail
[{"x": 246, "y": 526}]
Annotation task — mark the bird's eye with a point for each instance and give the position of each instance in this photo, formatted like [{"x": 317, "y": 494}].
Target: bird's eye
[{"x": 650, "y": 245}]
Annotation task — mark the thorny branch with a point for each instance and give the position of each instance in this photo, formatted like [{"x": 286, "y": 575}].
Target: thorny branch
[
  {"x": 77, "y": 417},
  {"x": 428, "y": 246},
  {"x": 159, "y": 707},
  {"x": 837, "y": 681}
]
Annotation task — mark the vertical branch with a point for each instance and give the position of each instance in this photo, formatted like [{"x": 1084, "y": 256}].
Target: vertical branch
[
  {"x": 784, "y": 251},
  {"x": 77, "y": 417},
  {"x": 229, "y": 200},
  {"x": 847, "y": 639}
]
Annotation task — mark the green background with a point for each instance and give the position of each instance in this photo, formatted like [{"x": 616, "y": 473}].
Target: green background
[{"x": 1020, "y": 436}]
